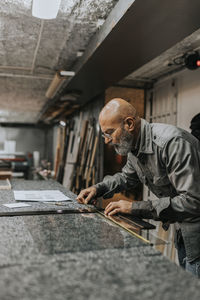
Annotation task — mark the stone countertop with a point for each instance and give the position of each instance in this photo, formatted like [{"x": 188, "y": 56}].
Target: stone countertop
[
  {"x": 7, "y": 196},
  {"x": 30, "y": 236},
  {"x": 131, "y": 273},
  {"x": 82, "y": 256}
]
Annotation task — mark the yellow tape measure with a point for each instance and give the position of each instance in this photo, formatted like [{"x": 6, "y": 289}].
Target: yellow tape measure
[{"x": 130, "y": 231}]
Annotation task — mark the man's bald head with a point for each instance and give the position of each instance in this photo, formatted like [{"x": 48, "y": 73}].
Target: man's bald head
[
  {"x": 117, "y": 110},
  {"x": 119, "y": 125}
]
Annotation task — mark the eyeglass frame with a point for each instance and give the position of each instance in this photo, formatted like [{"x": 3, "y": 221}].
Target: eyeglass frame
[{"x": 109, "y": 135}]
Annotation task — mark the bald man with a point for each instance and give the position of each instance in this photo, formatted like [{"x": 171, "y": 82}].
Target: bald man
[{"x": 167, "y": 160}]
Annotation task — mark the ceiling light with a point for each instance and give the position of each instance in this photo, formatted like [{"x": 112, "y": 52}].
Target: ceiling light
[
  {"x": 62, "y": 123},
  {"x": 66, "y": 73},
  {"x": 45, "y": 9},
  {"x": 79, "y": 53},
  {"x": 57, "y": 82}
]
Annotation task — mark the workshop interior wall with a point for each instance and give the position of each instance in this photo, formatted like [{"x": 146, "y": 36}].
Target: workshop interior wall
[
  {"x": 28, "y": 139},
  {"x": 184, "y": 90}
]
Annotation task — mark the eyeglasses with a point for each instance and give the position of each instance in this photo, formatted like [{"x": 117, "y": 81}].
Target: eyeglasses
[{"x": 108, "y": 135}]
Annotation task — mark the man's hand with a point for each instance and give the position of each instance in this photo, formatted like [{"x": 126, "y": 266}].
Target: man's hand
[
  {"x": 122, "y": 206},
  {"x": 86, "y": 195}
]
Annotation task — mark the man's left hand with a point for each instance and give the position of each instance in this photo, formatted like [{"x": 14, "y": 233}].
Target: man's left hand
[{"x": 120, "y": 206}]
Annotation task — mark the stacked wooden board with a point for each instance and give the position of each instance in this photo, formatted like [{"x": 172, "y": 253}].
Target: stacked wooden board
[{"x": 77, "y": 144}]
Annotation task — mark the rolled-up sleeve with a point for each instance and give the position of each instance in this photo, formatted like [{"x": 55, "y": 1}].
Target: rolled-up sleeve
[
  {"x": 182, "y": 162},
  {"x": 119, "y": 182}
]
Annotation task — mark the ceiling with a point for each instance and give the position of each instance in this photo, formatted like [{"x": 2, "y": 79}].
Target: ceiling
[
  {"x": 122, "y": 42},
  {"x": 144, "y": 40},
  {"x": 169, "y": 62},
  {"x": 31, "y": 50}
]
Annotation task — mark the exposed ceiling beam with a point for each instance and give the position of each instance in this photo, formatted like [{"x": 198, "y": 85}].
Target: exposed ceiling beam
[
  {"x": 25, "y": 125},
  {"x": 37, "y": 46},
  {"x": 14, "y": 68},
  {"x": 43, "y": 77}
]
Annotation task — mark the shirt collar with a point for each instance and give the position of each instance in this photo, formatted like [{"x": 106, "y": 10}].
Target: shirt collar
[{"x": 144, "y": 142}]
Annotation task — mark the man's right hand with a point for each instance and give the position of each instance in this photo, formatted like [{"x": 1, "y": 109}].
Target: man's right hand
[{"x": 86, "y": 195}]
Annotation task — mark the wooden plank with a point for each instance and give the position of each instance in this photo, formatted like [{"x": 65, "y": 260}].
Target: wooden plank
[
  {"x": 89, "y": 177},
  {"x": 5, "y": 184}
]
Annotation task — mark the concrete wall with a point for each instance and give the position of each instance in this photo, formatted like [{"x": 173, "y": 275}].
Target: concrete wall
[{"x": 29, "y": 139}]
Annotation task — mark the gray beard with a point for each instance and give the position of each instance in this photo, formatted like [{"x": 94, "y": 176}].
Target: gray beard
[{"x": 125, "y": 145}]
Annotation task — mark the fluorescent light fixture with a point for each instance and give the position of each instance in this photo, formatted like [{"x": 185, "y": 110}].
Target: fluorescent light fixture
[
  {"x": 62, "y": 123},
  {"x": 57, "y": 82},
  {"x": 79, "y": 53},
  {"x": 45, "y": 9},
  {"x": 67, "y": 73}
]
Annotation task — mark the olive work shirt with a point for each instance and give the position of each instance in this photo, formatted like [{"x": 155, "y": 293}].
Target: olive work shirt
[{"x": 167, "y": 160}]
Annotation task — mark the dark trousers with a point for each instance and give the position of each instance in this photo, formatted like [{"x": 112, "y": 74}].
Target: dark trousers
[
  {"x": 180, "y": 249},
  {"x": 192, "y": 267}
]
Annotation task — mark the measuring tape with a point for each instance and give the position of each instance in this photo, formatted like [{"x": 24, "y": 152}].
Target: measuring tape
[{"x": 120, "y": 225}]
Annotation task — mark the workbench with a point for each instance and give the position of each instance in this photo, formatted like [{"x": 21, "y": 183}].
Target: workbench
[{"x": 80, "y": 255}]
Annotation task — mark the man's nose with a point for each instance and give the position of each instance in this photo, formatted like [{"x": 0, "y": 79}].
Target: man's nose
[{"x": 107, "y": 140}]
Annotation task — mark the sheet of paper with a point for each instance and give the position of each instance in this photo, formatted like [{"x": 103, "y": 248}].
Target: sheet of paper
[
  {"x": 40, "y": 196},
  {"x": 16, "y": 205}
]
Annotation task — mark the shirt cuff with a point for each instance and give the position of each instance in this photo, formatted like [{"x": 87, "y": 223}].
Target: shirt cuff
[
  {"x": 167, "y": 213},
  {"x": 101, "y": 189},
  {"x": 144, "y": 210}
]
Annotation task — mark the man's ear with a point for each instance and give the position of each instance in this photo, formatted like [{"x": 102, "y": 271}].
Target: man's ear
[{"x": 129, "y": 124}]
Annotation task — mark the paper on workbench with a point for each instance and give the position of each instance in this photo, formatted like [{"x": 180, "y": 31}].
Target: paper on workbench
[
  {"x": 40, "y": 196},
  {"x": 16, "y": 205}
]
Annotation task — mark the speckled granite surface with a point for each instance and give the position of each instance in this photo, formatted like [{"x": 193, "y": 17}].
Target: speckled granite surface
[
  {"x": 23, "y": 237},
  {"x": 83, "y": 256},
  {"x": 107, "y": 274},
  {"x": 7, "y": 196}
]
